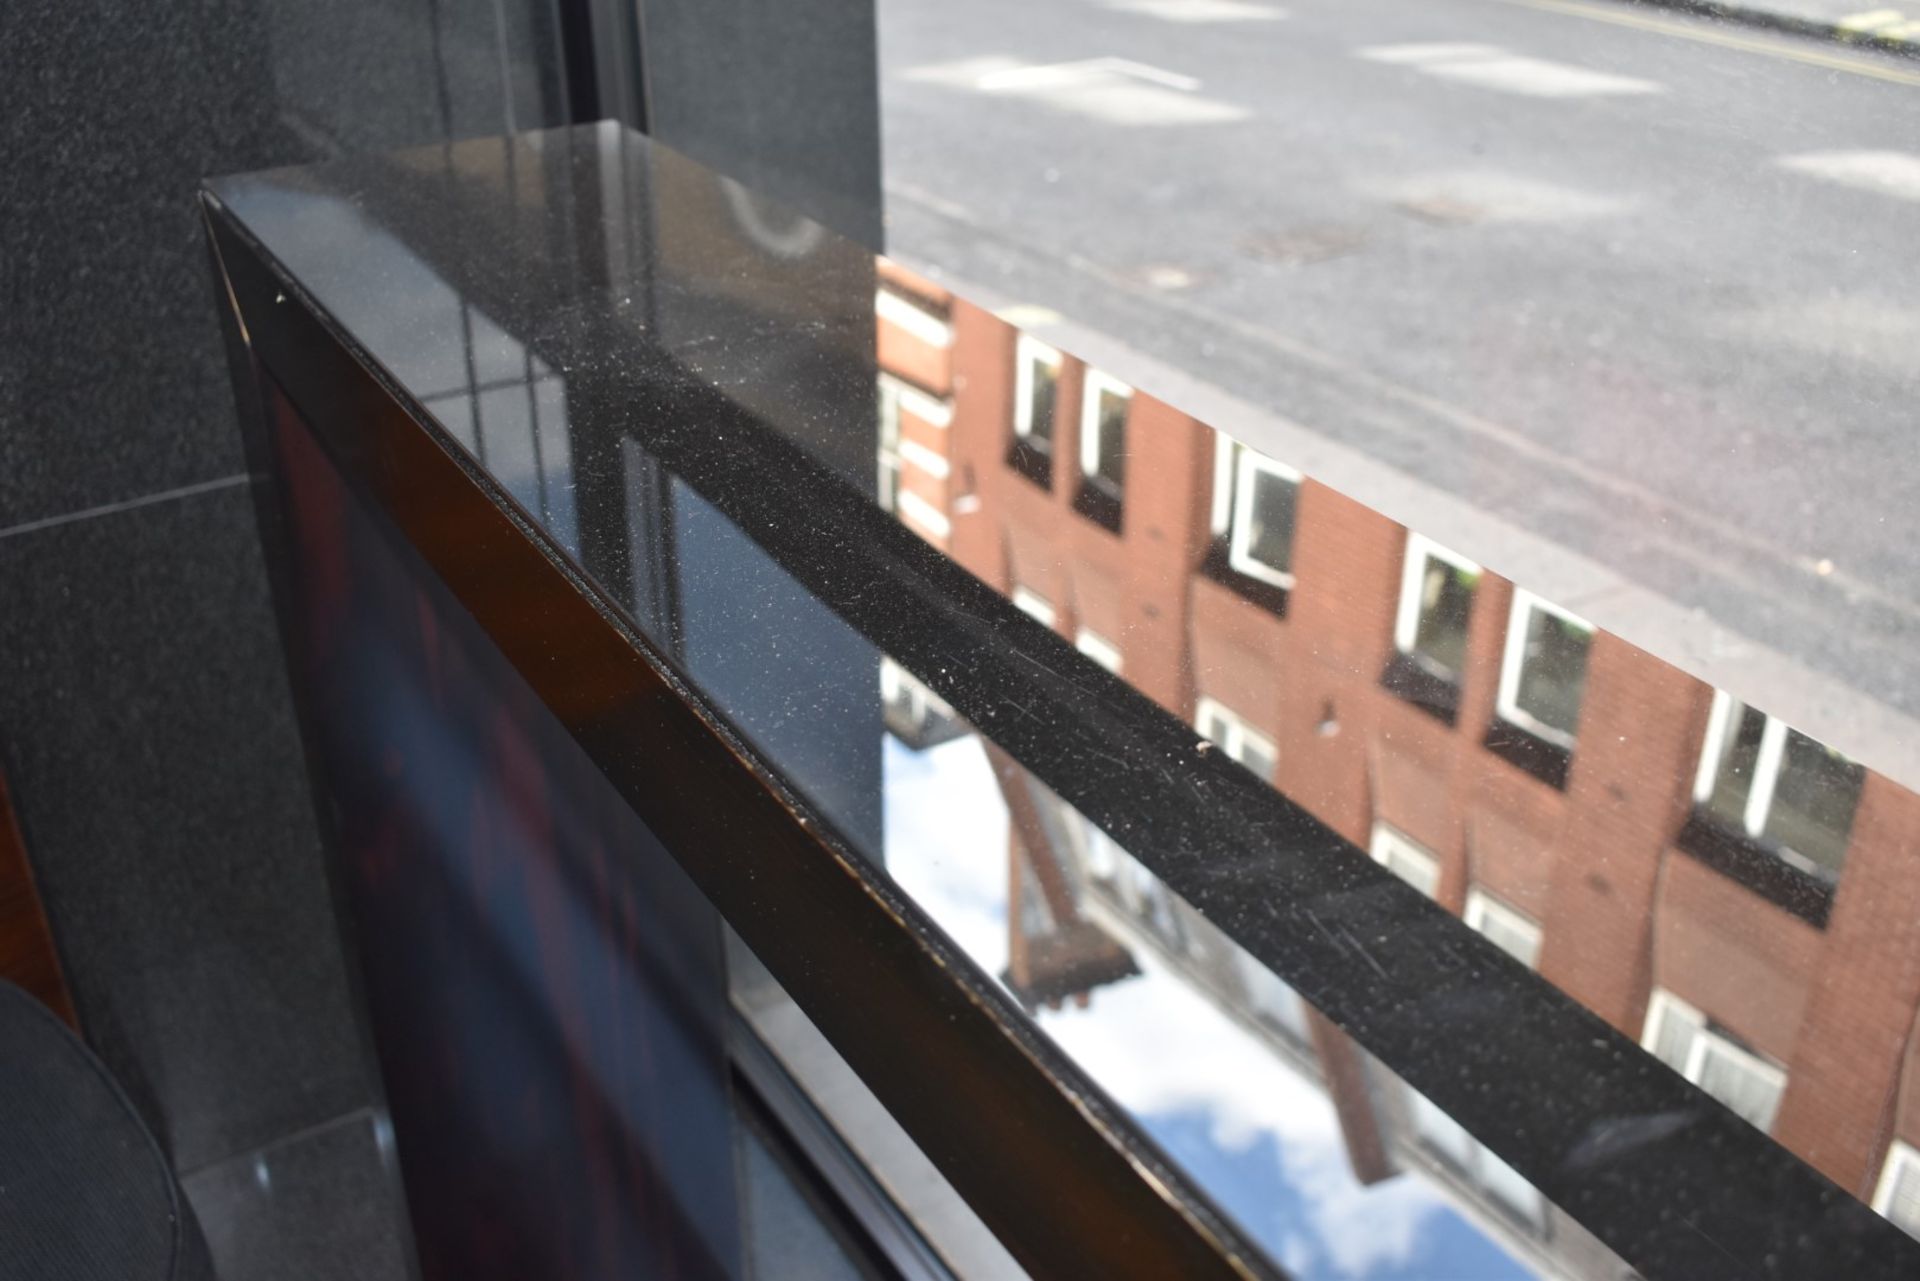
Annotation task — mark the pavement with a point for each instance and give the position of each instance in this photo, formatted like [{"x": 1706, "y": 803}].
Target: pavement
[{"x": 1641, "y": 284}]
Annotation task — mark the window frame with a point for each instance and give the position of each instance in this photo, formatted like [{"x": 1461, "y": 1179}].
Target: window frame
[
  {"x": 1028, "y": 352},
  {"x": 1481, "y": 905},
  {"x": 1901, "y": 1156},
  {"x": 1239, "y": 733},
  {"x": 888, "y": 462},
  {"x": 1406, "y": 621},
  {"x": 1381, "y": 847},
  {"x": 1093, "y": 383},
  {"x": 911, "y": 318},
  {"x": 1766, "y": 772},
  {"x": 1664, "y": 1005},
  {"x": 1513, "y": 659},
  {"x": 1034, "y": 606},
  {"x": 934, "y": 411},
  {"x": 1099, "y": 649},
  {"x": 1246, "y": 462}
]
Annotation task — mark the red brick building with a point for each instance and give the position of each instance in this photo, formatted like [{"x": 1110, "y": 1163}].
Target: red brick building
[{"x": 1755, "y": 919}]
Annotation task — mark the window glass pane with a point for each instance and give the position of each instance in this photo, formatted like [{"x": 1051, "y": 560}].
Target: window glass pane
[
  {"x": 1110, "y": 461},
  {"x": 1507, "y": 1187},
  {"x": 1446, "y": 601},
  {"x": 1673, "y": 1040},
  {"x": 1269, "y": 997},
  {"x": 1732, "y": 1077},
  {"x": 1509, "y": 931},
  {"x": 1553, "y": 670},
  {"x": 1903, "y": 1201},
  {"x": 1813, "y": 801},
  {"x": 1042, "y": 386},
  {"x": 1258, "y": 755},
  {"x": 1441, "y": 1132},
  {"x": 1733, "y": 774},
  {"x": 1263, "y": 537},
  {"x": 887, "y": 394}
]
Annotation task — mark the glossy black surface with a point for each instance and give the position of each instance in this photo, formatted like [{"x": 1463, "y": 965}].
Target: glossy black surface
[{"x": 678, "y": 398}]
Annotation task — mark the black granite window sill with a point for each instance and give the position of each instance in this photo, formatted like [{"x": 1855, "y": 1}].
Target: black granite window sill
[
  {"x": 1218, "y": 566},
  {"x": 1432, "y": 693},
  {"x": 1548, "y": 761},
  {"x": 1098, "y": 503},
  {"x": 1757, "y": 864},
  {"x": 1031, "y": 461}
]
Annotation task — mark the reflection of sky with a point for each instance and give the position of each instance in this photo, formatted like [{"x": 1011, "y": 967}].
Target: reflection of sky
[{"x": 1261, "y": 1139}]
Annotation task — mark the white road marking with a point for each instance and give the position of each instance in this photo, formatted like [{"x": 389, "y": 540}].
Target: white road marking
[
  {"x": 1857, "y": 329},
  {"x": 1113, "y": 90},
  {"x": 1476, "y": 196},
  {"x": 1087, "y": 71},
  {"x": 1491, "y": 67},
  {"x": 1891, "y": 173},
  {"x": 1199, "y": 10},
  {"x": 1416, "y": 54}
]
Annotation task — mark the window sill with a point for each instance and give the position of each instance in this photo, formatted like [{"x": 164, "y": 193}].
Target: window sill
[
  {"x": 1529, "y": 752},
  {"x": 1758, "y": 866},
  {"x": 1032, "y": 462},
  {"x": 1218, "y": 568},
  {"x": 1098, "y": 504},
  {"x": 1413, "y": 683}
]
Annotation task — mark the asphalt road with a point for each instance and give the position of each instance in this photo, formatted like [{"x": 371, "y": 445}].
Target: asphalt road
[{"x": 1647, "y": 286}]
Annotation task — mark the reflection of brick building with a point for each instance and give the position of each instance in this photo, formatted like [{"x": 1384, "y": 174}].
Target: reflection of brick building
[{"x": 1753, "y": 920}]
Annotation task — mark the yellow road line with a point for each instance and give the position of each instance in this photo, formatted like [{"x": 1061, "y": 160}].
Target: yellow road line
[{"x": 1725, "y": 39}]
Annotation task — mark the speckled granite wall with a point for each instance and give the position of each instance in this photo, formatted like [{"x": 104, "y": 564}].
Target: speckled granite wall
[{"x": 144, "y": 719}]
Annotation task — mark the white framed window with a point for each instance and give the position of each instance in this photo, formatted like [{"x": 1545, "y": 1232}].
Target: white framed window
[
  {"x": 1682, "y": 1037},
  {"x": 934, "y": 411},
  {"x": 1232, "y": 733},
  {"x": 1543, "y": 674},
  {"x": 1406, "y": 858},
  {"x": 887, "y": 396},
  {"x": 912, "y": 317},
  {"x": 1271, "y": 999},
  {"x": 1103, "y": 854},
  {"x": 1898, "y": 1194},
  {"x": 1036, "y": 389},
  {"x": 1104, "y": 402},
  {"x": 1759, "y": 775},
  {"x": 1034, "y": 605},
  {"x": 1505, "y": 927},
  {"x": 1255, "y": 499},
  {"x": 1441, "y": 1134},
  {"x": 1098, "y": 648},
  {"x": 916, "y": 715},
  {"x": 1436, "y": 604}
]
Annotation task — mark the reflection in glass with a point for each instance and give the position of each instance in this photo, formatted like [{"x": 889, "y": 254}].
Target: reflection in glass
[
  {"x": 1505, "y": 927},
  {"x": 1103, "y": 432},
  {"x": 1760, "y": 776},
  {"x": 1436, "y": 603},
  {"x": 1264, "y": 497},
  {"x": 1239, "y": 740},
  {"x": 1314, "y": 1147},
  {"x": 887, "y": 396},
  {"x": 1898, "y": 1196},
  {"x": 1036, "y": 386},
  {"x": 1544, "y": 677},
  {"x": 1406, "y": 858},
  {"x": 1712, "y": 1058},
  {"x": 1449, "y": 1140}
]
